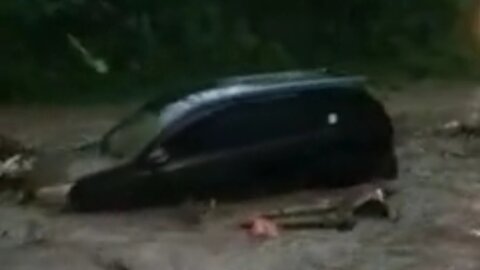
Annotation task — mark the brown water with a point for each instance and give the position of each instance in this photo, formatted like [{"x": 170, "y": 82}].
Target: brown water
[{"x": 439, "y": 204}]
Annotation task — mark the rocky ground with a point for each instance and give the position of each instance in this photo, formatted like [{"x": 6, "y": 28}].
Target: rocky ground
[{"x": 438, "y": 201}]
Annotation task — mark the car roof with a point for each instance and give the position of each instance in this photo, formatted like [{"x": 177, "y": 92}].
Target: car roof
[
  {"x": 255, "y": 86},
  {"x": 276, "y": 77}
]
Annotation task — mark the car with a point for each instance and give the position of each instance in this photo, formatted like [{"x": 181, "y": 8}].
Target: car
[{"x": 244, "y": 137}]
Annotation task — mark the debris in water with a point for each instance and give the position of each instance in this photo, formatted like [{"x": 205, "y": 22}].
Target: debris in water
[
  {"x": 458, "y": 128},
  {"x": 337, "y": 212},
  {"x": 261, "y": 227},
  {"x": 25, "y": 170},
  {"x": 475, "y": 232}
]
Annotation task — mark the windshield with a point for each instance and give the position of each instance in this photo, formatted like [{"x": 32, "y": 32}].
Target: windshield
[{"x": 129, "y": 137}]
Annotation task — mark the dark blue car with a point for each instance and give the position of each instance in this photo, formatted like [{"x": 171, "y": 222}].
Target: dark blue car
[{"x": 244, "y": 137}]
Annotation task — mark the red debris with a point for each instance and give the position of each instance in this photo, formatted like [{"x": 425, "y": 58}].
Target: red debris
[{"x": 260, "y": 227}]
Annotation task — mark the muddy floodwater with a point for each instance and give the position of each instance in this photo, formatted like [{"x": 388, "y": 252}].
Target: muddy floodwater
[{"x": 438, "y": 201}]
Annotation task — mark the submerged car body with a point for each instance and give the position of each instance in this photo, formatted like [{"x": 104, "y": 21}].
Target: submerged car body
[{"x": 243, "y": 137}]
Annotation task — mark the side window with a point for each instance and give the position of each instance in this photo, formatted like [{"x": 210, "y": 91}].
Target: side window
[{"x": 243, "y": 124}]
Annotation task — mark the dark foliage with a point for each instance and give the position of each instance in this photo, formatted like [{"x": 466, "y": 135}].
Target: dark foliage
[{"x": 147, "y": 43}]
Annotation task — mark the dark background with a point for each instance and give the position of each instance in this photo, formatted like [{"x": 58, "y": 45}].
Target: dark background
[{"x": 151, "y": 47}]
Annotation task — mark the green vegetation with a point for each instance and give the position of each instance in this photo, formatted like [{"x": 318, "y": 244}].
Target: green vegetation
[{"x": 97, "y": 50}]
